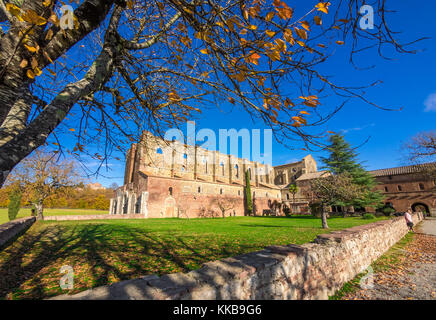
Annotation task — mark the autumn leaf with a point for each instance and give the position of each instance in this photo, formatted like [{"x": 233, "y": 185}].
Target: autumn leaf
[
  {"x": 301, "y": 33},
  {"x": 285, "y": 12},
  {"x": 54, "y": 20},
  {"x": 305, "y": 25},
  {"x": 287, "y": 35},
  {"x": 13, "y": 9},
  {"x": 323, "y": 7},
  {"x": 270, "y": 33},
  {"x": 288, "y": 103},
  {"x": 173, "y": 96},
  {"x": 254, "y": 58},
  {"x": 30, "y": 74},
  {"x": 37, "y": 71},
  {"x": 317, "y": 20},
  {"x": 340, "y": 42},
  {"x": 24, "y": 63},
  {"x": 269, "y": 16},
  {"x": 32, "y": 17},
  {"x": 32, "y": 49},
  {"x": 205, "y": 51}
]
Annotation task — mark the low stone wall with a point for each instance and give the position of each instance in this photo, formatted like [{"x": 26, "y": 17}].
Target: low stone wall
[
  {"x": 310, "y": 271},
  {"x": 11, "y": 229},
  {"x": 94, "y": 217}
]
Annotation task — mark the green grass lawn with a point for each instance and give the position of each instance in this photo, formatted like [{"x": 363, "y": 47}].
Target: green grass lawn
[
  {"x": 24, "y": 212},
  {"x": 103, "y": 252}
]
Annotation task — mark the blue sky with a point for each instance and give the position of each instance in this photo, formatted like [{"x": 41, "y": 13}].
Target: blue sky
[{"x": 409, "y": 81}]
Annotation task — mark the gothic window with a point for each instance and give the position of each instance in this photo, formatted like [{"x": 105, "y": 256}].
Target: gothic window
[
  {"x": 399, "y": 188},
  {"x": 221, "y": 191},
  {"x": 183, "y": 168},
  {"x": 386, "y": 189},
  {"x": 170, "y": 190},
  {"x": 205, "y": 164},
  {"x": 421, "y": 186},
  {"x": 237, "y": 171},
  {"x": 138, "y": 205},
  {"x": 159, "y": 151},
  {"x": 223, "y": 172},
  {"x": 199, "y": 189},
  {"x": 126, "y": 204},
  {"x": 287, "y": 196}
]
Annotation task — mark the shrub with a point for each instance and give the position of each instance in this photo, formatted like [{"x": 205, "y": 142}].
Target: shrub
[
  {"x": 368, "y": 216},
  {"x": 14, "y": 204},
  {"x": 287, "y": 211}
]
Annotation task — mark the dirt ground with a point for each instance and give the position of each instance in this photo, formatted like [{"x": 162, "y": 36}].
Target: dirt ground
[{"x": 412, "y": 277}]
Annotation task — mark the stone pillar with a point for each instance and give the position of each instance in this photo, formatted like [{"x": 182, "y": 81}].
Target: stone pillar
[
  {"x": 120, "y": 200},
  {"x": 131, "y": 206},
  {"x": 111, "y": 206},
  {"x": 144, "y": 201}
]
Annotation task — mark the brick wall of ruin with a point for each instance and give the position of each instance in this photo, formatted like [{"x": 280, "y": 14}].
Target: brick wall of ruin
[{"x": 195, "y": 199}]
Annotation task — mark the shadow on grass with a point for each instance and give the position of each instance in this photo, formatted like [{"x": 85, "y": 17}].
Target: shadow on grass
[{"x": 99, "y": 254}]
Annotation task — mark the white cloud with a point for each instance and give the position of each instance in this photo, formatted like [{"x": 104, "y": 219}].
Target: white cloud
[
  {"x": 430, "y": 103},
  {"x": 357, "y": 128}
]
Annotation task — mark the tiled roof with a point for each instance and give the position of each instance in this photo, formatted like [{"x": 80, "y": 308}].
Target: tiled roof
[
  {"x": 312, "y": 175},
  {"x": 402, "y": 170}
]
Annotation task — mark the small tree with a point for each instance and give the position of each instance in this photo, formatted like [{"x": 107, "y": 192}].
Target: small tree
[
  {"x": 41, "y": 176},
  {"x": 334, "y": 190},
  {"x": 225, "y": 204},
  {"x": 249, "y": 201},
  {"x": 294, "y": 190},
  {"x": 421, "y": 149},
  {"x": 14, "y": 203},
  {"x": 343, "y": 159}
]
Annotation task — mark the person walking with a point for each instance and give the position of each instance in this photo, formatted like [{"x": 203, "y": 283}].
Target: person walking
[{"x": 408, "y": 217}]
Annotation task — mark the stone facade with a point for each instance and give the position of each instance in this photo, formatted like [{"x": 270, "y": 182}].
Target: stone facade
[
  {"x": 405, "y": 187},
  {"x": 170, "y": 179},
  {"x": 310, "y": 271}
]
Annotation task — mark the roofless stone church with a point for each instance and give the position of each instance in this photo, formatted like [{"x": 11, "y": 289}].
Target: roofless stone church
[{"x": 171, "y": 179}]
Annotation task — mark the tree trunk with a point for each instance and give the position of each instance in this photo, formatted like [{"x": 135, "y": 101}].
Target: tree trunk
[
  {"x": 39, "y": 210},
  {"x": 293, "y": 203},
  {"x": 324, "y": 218}
]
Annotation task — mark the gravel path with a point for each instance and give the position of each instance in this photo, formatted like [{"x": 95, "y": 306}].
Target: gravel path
[{"x": 413, "y": 277}]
